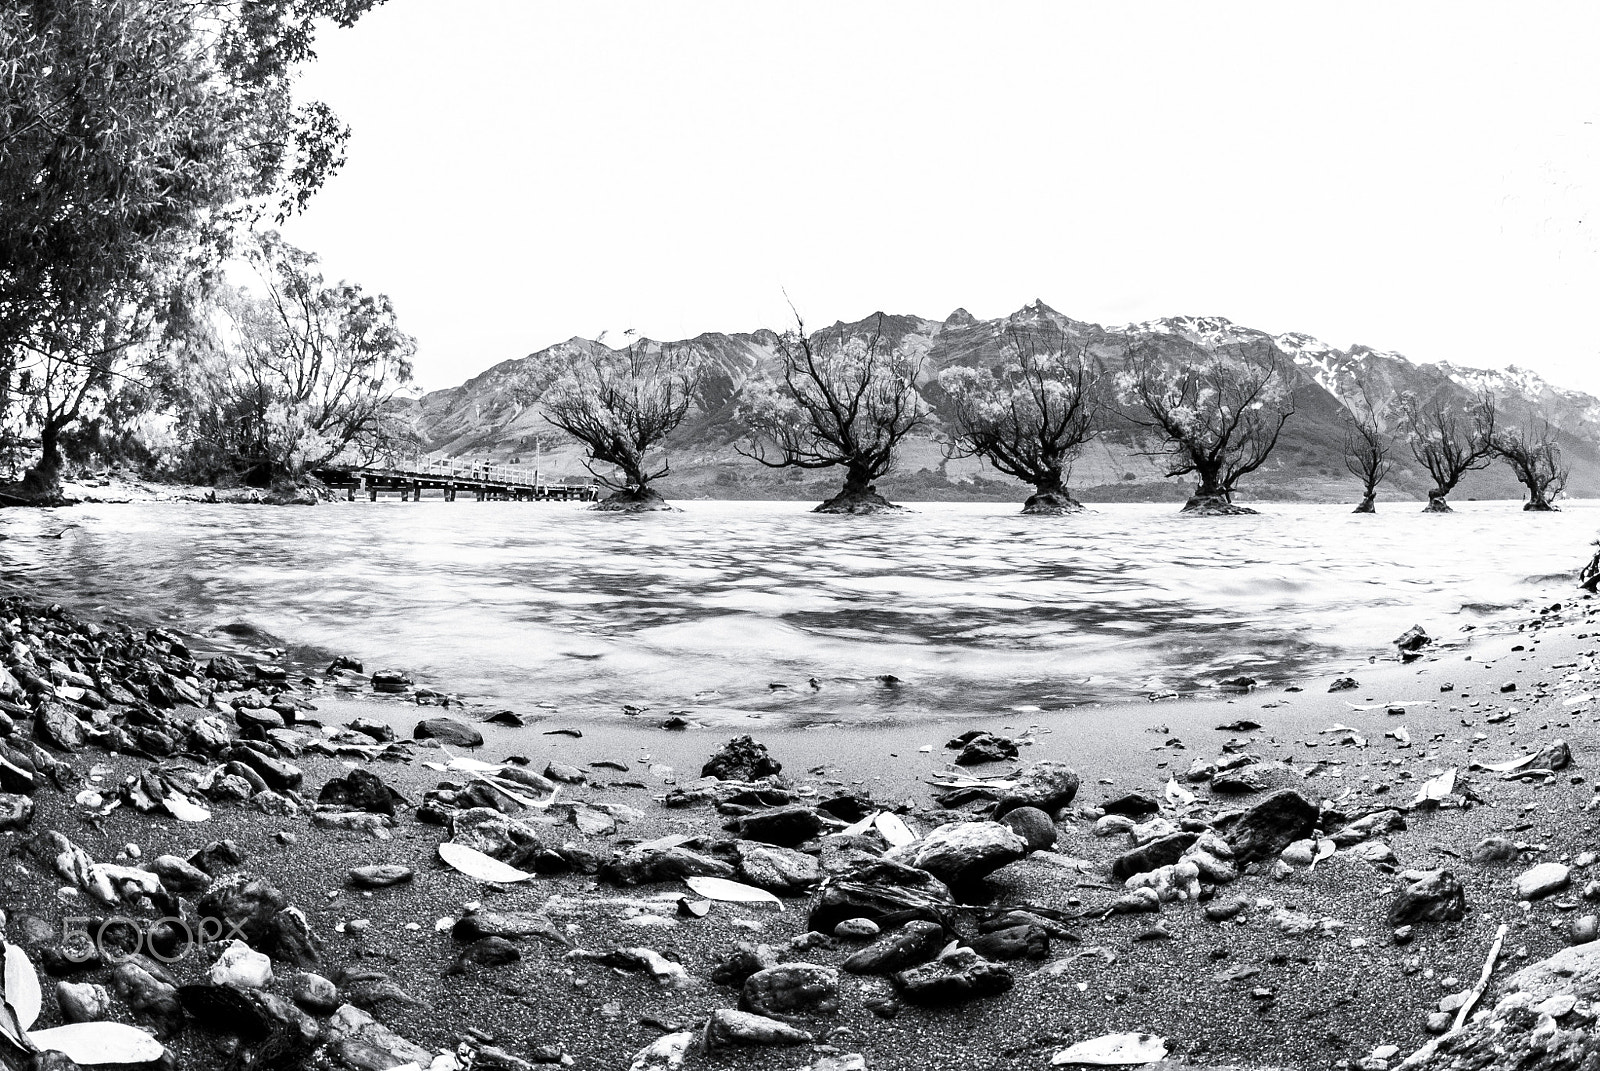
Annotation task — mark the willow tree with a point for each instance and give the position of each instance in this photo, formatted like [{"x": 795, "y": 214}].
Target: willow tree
[
  {"x": 1030, "y": 415},
  {"x": 1368, "y": 449},
  {"x": 291, "y": 376},
  {"x": 1535, "y": 457},
  {"x": 1218, "y": 413},
  {"x": 136, "y": 136},
  {"x": 621, "y": 407},
  {"x": 846, "y": 400},
  {"x": 1449, "y": 440}
]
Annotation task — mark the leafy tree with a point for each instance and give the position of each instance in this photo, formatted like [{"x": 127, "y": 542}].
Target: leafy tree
[
  {"x": 1448, "y": 440},
  {"x": 280, "y": 383},
  {"x": 1535, "y": 456},
  {"x": 1031, "y": 415},
  {"x": 135, "y": 137},
  {"x": 846, "y": 401},
  {"x": 1368, "y": 448},
  {"x": 1217, "y": 413},
  {"x": 622, "y": 406}
]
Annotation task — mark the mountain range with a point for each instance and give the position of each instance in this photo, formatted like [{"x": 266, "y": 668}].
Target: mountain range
[{"x": 496, "y": 414}]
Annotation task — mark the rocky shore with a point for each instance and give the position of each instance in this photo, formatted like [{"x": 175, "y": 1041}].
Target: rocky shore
[{"x": 1309, "y": 877}]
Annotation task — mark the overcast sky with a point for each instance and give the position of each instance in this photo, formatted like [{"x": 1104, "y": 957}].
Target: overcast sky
[{"x": 1415, "y": 177}]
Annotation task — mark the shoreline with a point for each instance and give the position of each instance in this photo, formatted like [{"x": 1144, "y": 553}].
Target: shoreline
[{"x": 1326, "y": 997}]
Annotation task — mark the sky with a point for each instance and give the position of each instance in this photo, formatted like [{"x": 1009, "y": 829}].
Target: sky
[{"x": 1415, "y": 177}]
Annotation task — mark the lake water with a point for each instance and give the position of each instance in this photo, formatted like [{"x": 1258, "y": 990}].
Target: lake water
[{"x": 763, "y": 607}]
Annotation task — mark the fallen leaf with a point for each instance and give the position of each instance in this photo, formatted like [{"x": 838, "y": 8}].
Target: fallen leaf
[
  {"x": 100, "y": 1043},
  {"x": 185, "y": 809},
  {"x": 1177, "y": 794},
  {"x": 474, "y": 864},
  {"x": 22, "y": 987},
  {"x": 731, "y": 891},
  {"x": 1437, "y": 788},
  {"x": 1114, "y": 1050},
  {"x": 894, "y": 830}
]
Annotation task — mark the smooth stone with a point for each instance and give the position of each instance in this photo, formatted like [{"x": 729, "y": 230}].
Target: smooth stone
[{"x": 1542, "y": 880}]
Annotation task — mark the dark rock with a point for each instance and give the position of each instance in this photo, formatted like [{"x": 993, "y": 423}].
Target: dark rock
[
  {"x": 963, "y": 975},
  {"x": 977, "y": 747},
  {"x": 887, "y": 892},
  {"x": 781, "y": 870},
  {"x": 16, "y": 811},
  {"x": 150, "y": 993},
  {"x": 316, "y": 994},
  {"x": 253, "y": 909},
  {"x": 741, "y": 759},
  {"x": 510, "y": 925},
  {"x": 1223, "y": 910},
  {"x": 369, "y": 989},
  {"x": 1152, "y": 856},
  {"x": 225, "y": 1010},
  {"x": 1344, "y": 684},
  {"x": 727, "y": 1028},
  {"x": 782, "y": 825},
  {"x": 1015, "y": 942},
  {"x": 1269, "y": 827},
  {"x": 1047, "y": 785},
  {"x": 1035, "y": 827},
  {"x": 225, "y": 668},
  {"x": 916, "y": 942},
  {"x": 1376, "y": 824},
  {"x": 638, "y": 866},
  {"x": 280, "y": 776},
  {"x": 381, "y": 876},
  {"x": 1413, "y": 639},
  {"x": 964, "y": 852},
  {"x": 1555, "y": 755},
  {"x": 791, "y": 989},
  {"x": 1494, "y": 849},
  {"x": 179, "y": 876},
  {"x": 1132, "y": 805},
  {"x": 56, "y": 726},
  {"x": 1428, "y": 896},
  {"x": 486, "y": 952},
  {"x": 1239, "y": 782},
  {"x": 732, "y": 968},
  {"x": 448, "y": 731},
  {"x": 361, "y": 790},
  {"x": 392, "y": 681},
  {"x": 217, "y": 856}
]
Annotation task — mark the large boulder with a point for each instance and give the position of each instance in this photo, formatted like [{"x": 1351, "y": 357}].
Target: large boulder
[
  {"x": 916, "y": 942},
  {"x": 1047, "y": 785},
  {"x": 1265, "y": 830},
  {"x": 448, "y": 731},
  {"x": 789, "y": 989},
  {"x": 741, "y": 759},
  {"x": 251, "y": 908},
  {"x": 1428, "y": 896},
  {"x": 1532, "y": 1025},
  {"x": 961, "y": 976},
  {"x": 884, "y": 891},
  {"x": 964, "y": 852}
]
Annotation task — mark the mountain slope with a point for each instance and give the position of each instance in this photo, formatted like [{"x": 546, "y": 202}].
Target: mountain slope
[{"x": 496, "y": 413}]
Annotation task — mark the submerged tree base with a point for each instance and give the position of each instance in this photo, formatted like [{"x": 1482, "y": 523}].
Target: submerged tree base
[
  {"x": 1368, "y": 505},
  {"x": 1437, "y": 504},
  {"x": 1540, "y": 506},
  {"x": 1215, "y": 506},
  {"x": 1051, "y": 504},
  {"x": 646, "y": 501},
  {"x": 857, "y": 501}
]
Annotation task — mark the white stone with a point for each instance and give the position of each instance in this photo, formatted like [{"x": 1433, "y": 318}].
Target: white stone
[{"x": 242, "y": 966}]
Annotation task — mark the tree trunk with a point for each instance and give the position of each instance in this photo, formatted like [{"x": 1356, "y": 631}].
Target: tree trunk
[
  {"x": 1368, "y": 503},
  {"x": 1051, "y": 498},
  {"x": 1436, "y": 502},
  {"x": 1539, "y": 504},
  {"x": 860, "y": 495},
  {"x": 42, "y": 484},
  {"x": 634, "y": 500}
]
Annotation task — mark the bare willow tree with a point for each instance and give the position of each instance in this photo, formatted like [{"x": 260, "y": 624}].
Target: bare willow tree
[
  {"x": 1448, "y": 440},
  {"x": 1218, "y": 413},
  {"x": 1031, "y": 415},
  {"x": 621, "y": 406},
  {"x": 846, "y": 400},
  {"x": 1368, "y": 448},
  {"x": 1535, "y": 456}
]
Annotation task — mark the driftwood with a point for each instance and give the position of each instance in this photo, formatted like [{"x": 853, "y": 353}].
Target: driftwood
[{"x": 1483, "y": 980}]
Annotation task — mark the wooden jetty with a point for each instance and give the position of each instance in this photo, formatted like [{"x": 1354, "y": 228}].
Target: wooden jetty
[{"x": 485, "y": 480}]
